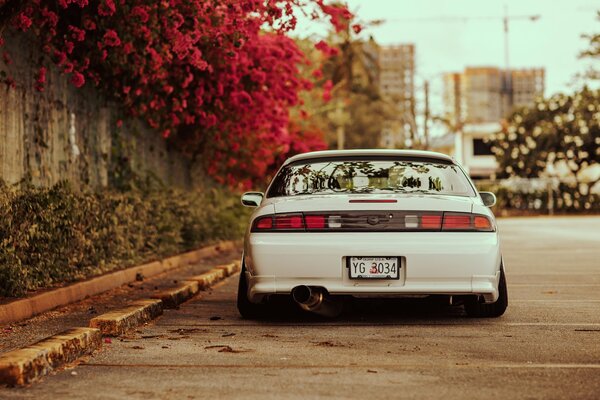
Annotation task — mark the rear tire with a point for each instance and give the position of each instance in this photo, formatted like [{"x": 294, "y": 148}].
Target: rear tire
[
  {"x": 475, "y": 309},
  {"x": 247, "y": 309}
]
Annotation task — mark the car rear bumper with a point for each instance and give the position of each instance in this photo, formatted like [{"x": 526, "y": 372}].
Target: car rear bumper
[{"x": 431, "y": 263}]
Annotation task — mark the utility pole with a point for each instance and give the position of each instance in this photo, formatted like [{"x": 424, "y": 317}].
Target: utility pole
[
  {"x": 341, "y": 136},
  {"x": 508, "y": 89},
  {"x": 426, "y": 119}
]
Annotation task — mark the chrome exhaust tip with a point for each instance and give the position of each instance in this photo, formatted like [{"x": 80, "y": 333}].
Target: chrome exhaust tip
[{"x": 315, "y": 299}]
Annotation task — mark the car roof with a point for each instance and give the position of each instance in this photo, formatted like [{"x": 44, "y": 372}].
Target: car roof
[{"x": 369, "y": 153}]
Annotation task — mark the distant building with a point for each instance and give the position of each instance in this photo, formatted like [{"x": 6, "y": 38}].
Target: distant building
[
  {"x": 397, "y": 82},
  {"x": 527, "y": 85},
  {"x": 477, "y": 100}
]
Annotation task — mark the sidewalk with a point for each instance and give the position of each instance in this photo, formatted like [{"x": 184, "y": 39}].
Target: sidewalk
[{"x": 19, "y": 334}]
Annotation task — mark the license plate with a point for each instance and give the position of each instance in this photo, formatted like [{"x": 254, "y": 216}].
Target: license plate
[{"x": 374, "y": 267}]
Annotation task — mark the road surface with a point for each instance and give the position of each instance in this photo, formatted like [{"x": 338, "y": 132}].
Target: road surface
[{"x": 546, "y": 346}]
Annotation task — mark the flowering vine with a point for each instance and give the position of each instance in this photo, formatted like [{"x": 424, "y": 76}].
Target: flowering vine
[{"x": 215, "y": 77}]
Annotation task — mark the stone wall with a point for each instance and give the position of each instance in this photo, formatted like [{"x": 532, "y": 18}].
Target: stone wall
[{"x": 65, "y": 133}]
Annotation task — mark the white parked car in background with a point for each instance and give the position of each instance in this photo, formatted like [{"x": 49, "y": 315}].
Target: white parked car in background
[{"x": 371, "y": 223}]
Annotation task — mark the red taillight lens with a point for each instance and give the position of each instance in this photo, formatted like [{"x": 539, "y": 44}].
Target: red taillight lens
[
  {"x": 457, "y": 221},
  {"x": 413, "y": 221},
  {"x": 467, "y": 222},
  {"x": 263, "y": 223},
  {"x": 431, "y": 221},
  {"x": 292, "y": 221},
  {"x": 285, "y": 222},
  {"x": 482, "y": 223},
  {"x": 315, "y": 221}
]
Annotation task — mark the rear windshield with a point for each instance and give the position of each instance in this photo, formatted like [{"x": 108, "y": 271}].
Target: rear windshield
[{"x": 370, "y": 176}]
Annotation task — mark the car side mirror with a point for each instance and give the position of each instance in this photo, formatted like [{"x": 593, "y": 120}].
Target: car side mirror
[
  {"x": 252, "y": 199},
  {"x": 489, "y": 198}
]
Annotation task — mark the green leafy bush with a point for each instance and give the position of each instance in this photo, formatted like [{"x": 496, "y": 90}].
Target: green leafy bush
[
  {"x": 49, "y": 236},
  {"x": 522, "y": 196}
]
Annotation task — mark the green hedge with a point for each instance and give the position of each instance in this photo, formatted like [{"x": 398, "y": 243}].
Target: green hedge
[
  {"x": 534, "y": 199},
  {"x": 49, "y": 236}
]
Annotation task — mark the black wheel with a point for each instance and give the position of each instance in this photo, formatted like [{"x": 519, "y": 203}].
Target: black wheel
[
  {"x": 247, "y": 309},
  {"x": 475, "y": 309}
]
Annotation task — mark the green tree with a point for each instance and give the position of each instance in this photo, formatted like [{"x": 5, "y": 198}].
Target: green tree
[
  {"x": 593, "y": 52},
  {"x": 563, "y": 129}
]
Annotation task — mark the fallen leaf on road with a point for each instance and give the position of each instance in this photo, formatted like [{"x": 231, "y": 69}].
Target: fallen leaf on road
[
  {"x": 184, "y": 331},
  {"x": 150, "y": 336},
  {"x": 226, "y": 349},
  {"x": 372, "y": 371},
  {"x": 228, "y": 334},
  {"x": 165, "y": 347},
  {"x": 270, "y": 336},
  {"x": 108, "y": 340},
  {"x": 178, "y": 338},
  {"x": 328, "y": 344},
  {"x": 215, "y": 318},
  {"x": 138, "y": 347}
]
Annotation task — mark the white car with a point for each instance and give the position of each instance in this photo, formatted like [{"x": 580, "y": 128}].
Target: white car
[{"x": 371, "y": 223}]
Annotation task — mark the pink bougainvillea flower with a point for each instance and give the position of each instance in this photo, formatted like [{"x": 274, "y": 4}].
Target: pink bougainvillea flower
[
  {"x": 41, "y": 75},
  {"x": 111, "y": 38},
  {"x": 327, "y": 50},
  {"x": 219, "y": 78},
  {"x": 77, "y": 79},
  {"x": 23, "y": 22}
]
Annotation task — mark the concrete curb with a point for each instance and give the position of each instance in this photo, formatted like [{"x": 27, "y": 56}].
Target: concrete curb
[
  {"x": 174, "y": 297},
  {"x": 119, "y": 321},
  {"x": 209, "y": 278},
  {"x": 26, "y": 308},
  {"x": 231, "y": 268},
  {"x": 23, "y": 366},
  {"x": 20, "y": 367}
]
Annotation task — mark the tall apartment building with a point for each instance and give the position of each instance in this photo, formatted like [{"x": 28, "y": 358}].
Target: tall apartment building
[
  {"x": 397, "y": 82},
  {"x": 489, "y": 94},
  {"x": 476, "y": 100},
  {"x": 527, "y": 84}
]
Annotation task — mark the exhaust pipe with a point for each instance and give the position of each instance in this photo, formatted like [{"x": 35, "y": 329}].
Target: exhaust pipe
[{"x": 315, "y": 299}]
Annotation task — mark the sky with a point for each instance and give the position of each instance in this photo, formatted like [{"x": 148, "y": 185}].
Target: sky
[{"x": 451, "y": 43}]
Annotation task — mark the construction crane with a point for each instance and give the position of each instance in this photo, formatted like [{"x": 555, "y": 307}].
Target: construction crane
[{"x": 506, "y": 19}]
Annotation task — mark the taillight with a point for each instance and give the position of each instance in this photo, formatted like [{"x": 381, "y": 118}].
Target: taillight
[
  {"x": 482, "y": 223},
  {"x": 279, "y": 222},
  {"x": 431, "y": 221},
  {"x": 456, "y": 221},
  {"x": 400, "y": 221},
  {"x": 316, "y": 221},
  {"x": 286, "y": 222},
  {"x": 466, "y": 222},
  {"x": 263, "y": 223}
]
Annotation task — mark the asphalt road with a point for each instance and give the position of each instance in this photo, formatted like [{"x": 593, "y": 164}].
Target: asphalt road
[{"x": 546, "y": 346}]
